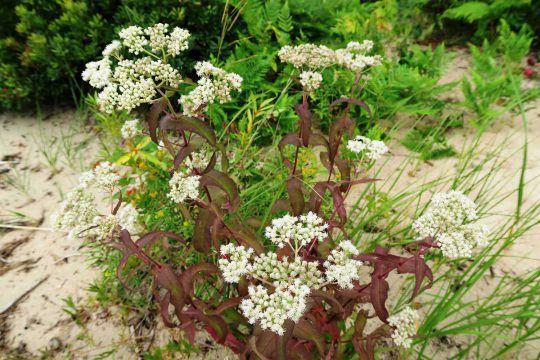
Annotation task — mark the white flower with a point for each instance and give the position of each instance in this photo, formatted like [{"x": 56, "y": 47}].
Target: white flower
[
  {"x": 310, "y": 80},
  {"x": 353, "y": 56},
  {"x": 446, "y": 221},
  {"x": 183, "y": 187},
  {"x": 307, "y": 56},
  {"x": 133, "y": 38},
  {"x": 130, "y": 129},
  {"x": 178, "y": 41},
  {"x": 341, "y": 268},
  {"x": 98, "y": 73},
  {"x": 272, "y": 310},
  {"x": 215, "y": 84},
  {"x": 284, "y": 272},
  {"x": 405, "y": 324},
  {"x": 105, "y": 179},
  {"x": 236, "y": 263},
  {"x": 128, "y": 218},
  {"x": 297, "y": 231},
  {"x": 76, "y": 213},
  {"x": 112, "y": 48},
  {"x": 199, "y": 160},
  {"x": 373, "y": 149}
]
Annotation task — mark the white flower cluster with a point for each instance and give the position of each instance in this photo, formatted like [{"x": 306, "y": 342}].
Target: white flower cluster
[
  {"x": 183, "y": 187},
  {"x": 283, "y": 272},
  {"x": 130, "y": 129},
  {"x": 297, "y": 231},
  {"x": 78, "y": 213},
  {"x": 213, "y": 84},
  {"x": 341, "y": 268},
  {"x": 293, "y": 278},
  {"x": 136, "y": 39},
  {"x": 354, "y": 57},
  {"x": 373, "y": 149},
  {"x": 308, "y": 56},
  {"x": 272, "y": 310},
  {"x": 235, "y": 263},
  {"x": 310, "y": 59},
  {"x": 199, "y": 160},
  {"x": 405, "y": 324},
  {"x": 446, "y": 221},
  {"x": 310, "y": 80},
  {"x": 134, "y": 82},
  {"x": 102, "y": 177}
]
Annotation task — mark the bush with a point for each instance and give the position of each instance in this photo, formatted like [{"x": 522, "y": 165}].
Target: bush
[{"x": 45, "y": 44}]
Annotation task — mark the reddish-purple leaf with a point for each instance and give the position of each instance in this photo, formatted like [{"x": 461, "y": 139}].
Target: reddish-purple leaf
[
  {"x": 307, "y": 331},
  {"x": 296, "y": 196},
  {"x": 153, "y": 117},
  {"x": 379, "y": 292}
]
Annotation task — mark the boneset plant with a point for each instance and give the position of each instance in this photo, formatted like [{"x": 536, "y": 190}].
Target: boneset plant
[{"x": 303, "y": 289}]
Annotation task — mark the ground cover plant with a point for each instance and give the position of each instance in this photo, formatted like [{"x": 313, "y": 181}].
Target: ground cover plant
[{"x": 289, "y": 283}]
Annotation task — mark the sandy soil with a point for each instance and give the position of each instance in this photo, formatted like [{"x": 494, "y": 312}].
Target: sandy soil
[{"x": 39, "y": 268}]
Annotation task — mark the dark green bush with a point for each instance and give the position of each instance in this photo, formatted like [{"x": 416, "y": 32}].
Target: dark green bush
[{"x": 44, "y": 43}]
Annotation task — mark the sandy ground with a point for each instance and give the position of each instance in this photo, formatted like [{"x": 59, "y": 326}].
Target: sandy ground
[{"x": 40, "y": 268}]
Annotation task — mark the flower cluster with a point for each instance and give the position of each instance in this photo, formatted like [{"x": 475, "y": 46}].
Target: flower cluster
[
  {"x": 103, "y": 177},
  {"x": 310, "y": 80},
  {"x": 127, "y": 83},
  {"x": 137, "y": 39},
  {"x": 78, "y": 212},
  {"x": 372, "y": 149},
  {"x": 297, "y": 231},
  {"x": 341, "y": 268},
  {"x": 235, "y": 262},
  {"x": 354, "y": 57},
  {"x": 446, "y": 221},
  {"x": 291, "y": 279},
  {"x": 130, "y": 129},
  {"x": 405, "y": 324},
  {"x": 183, "y": 187},
  {"x": 308, "y": 56},
  {"x": 214, "y": 84},
  {"x": 198, "y": 160},
  {"x": 271, "y": 310},
  {"x": 311, "y": 59}
]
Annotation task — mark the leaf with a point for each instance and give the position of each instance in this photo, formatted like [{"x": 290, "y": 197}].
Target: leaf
[
  {"x": 379, "y": 292},
  {"x": 205, "y": 226},
  {"x": 349, "y": 100},
  {"x": 183, "y": 152},
  {"x": 296, "y": 196},
  {"x": 306, "y": 330},
  {"x": 186, "y": 123},
  {"x": 469, "y": 11},
  {"x": 289, "y": 139},
  {"x": 153, "y": 117},
  {"x": 222, "y": 181}
]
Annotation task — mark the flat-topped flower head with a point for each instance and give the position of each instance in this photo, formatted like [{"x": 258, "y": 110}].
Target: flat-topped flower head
[
  {"x": 105, "y": 178},
  {"x": 308, "y": 56},
  {"x": 354, "y": 57},
  {"x": 75, "y": 213},
  {"x": 447, "y": 221},
  {"x": 405, "y": 325},
  {"x": 129, "y": 82},
  {"x": 372, "y": 149},
  {"x": 297, "y": 231}
]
